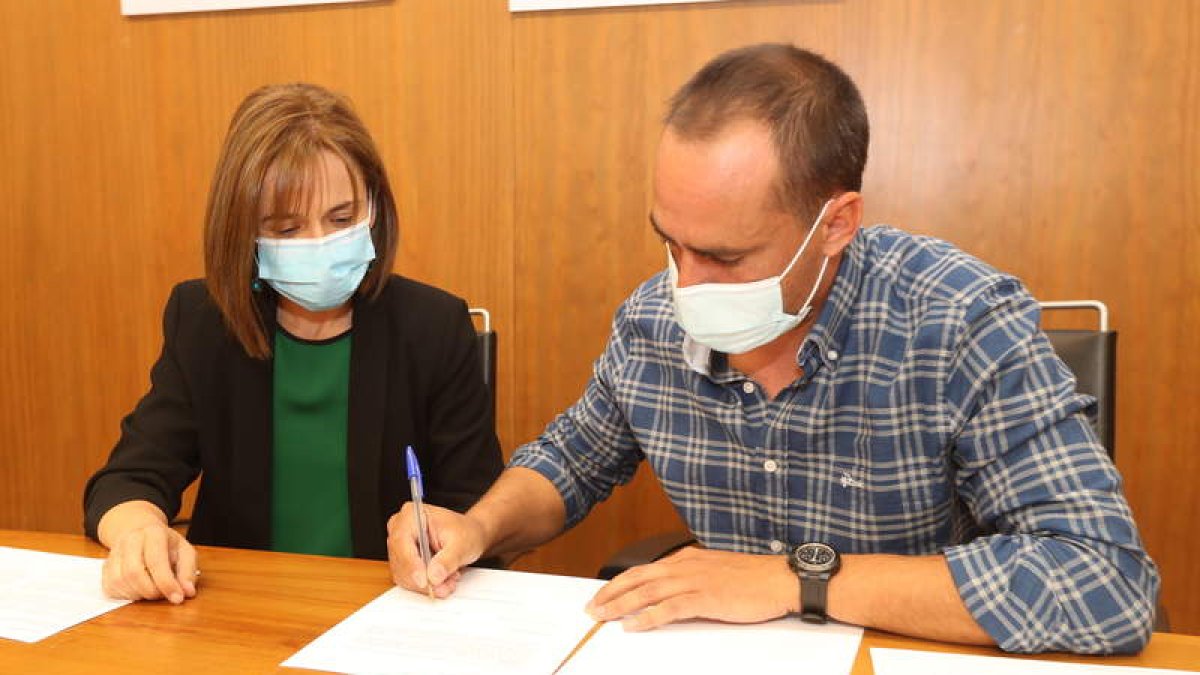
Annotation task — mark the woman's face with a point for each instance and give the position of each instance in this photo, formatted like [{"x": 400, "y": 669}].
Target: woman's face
[{"x": 330, "y": 205}]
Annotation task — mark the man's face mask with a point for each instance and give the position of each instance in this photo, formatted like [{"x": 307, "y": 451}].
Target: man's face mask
[
  {"x": 737, "y": 318},
  {"x": 318, "y": 274}
]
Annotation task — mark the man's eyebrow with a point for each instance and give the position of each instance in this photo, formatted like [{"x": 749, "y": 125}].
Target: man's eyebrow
[{"x": 720, "y": 252}]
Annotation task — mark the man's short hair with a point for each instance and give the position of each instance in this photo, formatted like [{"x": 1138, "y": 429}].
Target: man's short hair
[{"x": 815, "y": 115}]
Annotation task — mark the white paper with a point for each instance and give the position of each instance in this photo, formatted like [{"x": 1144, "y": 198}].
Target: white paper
[
  {"x": 784, "y": 645},
  {"x": 909, "y": 662},
  {"x": 44, "y": 593},
  {"x": 495, "y": 622},
  {"x": 535, "y": 5},
  {"x": 134, "y": 7}
]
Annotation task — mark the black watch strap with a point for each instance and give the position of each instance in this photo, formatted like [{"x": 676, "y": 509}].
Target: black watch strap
[{"x": 812, "y": 598}]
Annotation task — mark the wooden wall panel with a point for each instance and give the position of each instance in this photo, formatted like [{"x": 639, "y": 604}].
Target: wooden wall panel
[{"x": 1056, "y": 139}]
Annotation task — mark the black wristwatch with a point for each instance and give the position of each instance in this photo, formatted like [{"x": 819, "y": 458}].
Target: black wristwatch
[{"x": 815, "y": 564}]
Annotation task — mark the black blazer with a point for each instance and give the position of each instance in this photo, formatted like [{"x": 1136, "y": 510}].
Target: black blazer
[{"x": 415, "y": 379}]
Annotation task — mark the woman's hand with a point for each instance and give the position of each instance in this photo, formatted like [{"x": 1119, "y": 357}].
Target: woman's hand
[{"x": 147, "y": 560}]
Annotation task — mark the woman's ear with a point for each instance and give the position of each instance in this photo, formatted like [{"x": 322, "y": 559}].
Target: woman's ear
[{"x": 842, "y": 220}]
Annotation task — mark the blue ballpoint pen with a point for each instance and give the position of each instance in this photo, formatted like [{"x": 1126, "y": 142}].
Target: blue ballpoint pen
[{"x": 417, "y": 487}]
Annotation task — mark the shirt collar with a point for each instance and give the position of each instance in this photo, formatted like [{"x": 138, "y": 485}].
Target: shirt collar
[{"x": 825, "y": 339}]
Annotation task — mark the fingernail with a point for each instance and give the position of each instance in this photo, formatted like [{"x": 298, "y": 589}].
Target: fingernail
[
  {"x": 597, "y": 613},
  {"x": 176, "y": 598},
  {"x": 631, "y": 623},
  {"x": 418, "y": 580},
  {"x": 190, "y": 588}
]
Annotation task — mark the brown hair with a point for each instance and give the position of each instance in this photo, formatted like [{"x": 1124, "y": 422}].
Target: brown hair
[
  {"x": 815, "y": 115},
  {"x": 283, "y": 129}
]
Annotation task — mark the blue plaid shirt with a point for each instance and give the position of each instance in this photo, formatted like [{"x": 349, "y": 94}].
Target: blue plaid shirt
[{"x": 932, "y": 417}]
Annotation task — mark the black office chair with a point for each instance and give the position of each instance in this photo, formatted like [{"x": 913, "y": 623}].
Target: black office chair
[
  {"x": 1091, "y": 355},
  {"x": 486, "y": 340}
]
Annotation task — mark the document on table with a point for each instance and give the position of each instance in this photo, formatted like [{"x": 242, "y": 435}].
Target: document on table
[
  {"x": 44, "y": 593},
  {"x": 910, "y": 662},
  {"x": 712, "y": 647},
  {"x": 495, "y": 622}
]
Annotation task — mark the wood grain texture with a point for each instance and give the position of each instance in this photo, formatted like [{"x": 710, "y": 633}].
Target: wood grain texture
[
  {"x": 254, "y": 609},
  {"x": 1058, "y": 139}
]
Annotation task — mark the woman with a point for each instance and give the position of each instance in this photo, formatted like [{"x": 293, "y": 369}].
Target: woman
[{"x": 295, "y": 373}]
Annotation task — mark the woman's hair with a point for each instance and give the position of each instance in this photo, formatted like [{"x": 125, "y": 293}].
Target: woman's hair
[{"x": 278, "y": 134}]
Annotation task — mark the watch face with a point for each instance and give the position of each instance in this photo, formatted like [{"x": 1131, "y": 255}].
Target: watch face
[{"x": 815, "y": 557}]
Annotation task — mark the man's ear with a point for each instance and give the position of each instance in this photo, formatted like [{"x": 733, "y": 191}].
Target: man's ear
[{"x": 842, "y": 220}]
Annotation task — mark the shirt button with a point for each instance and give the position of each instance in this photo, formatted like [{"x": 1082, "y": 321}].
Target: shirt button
[
  {"x": 833, "y": 355},
  {"x": 748, "y": 387},
  {"x": 770, "y": 465},
  {"x": 776, "y": 546}
]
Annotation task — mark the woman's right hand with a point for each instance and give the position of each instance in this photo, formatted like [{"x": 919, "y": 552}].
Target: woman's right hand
[{"x": 147, "y": 560}]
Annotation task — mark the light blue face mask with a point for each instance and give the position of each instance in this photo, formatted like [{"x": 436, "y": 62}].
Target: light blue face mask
[
  {"x": 318, "y": 274},
  {"x": 737, "y": 318}
]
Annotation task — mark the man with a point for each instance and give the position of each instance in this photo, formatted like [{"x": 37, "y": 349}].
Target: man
[{"x": 855, "y": 423}]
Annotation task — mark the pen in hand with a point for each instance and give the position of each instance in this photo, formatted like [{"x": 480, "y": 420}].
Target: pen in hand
[{"x": 418, "y": 494}]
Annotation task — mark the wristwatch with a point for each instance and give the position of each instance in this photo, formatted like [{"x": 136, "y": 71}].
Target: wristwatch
[{"x": 815, "y": 564}]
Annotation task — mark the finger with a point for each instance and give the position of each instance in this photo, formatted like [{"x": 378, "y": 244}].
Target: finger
[
  {"x": 447, "y": 587},
  {"x": 158, "y": 563},
  {"x": 676, "y": 608},
  {"x": 640, "y": 597},
  {"x": 395, "y": 521},
  {"x": 185, "y": 565},
  {"x": 404, "y": 555},
  {"x": 459, "y": 544},
  {"x": 621, "y": 584},
  {"x": 134, "y": 576},
  {"x": 447, "y": 562},
  {"x": 110, "y": 578}
]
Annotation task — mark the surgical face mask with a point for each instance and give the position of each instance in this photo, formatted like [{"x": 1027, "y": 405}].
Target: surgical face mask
[
  {"x": 737, "y": 318},
  {"x": 318, "y": 274}
]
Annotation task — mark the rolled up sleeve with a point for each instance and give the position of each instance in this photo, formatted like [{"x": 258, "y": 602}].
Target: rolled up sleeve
[
  {"x": 589, "y": 449},
  {"x": 1062, "y": 567}
]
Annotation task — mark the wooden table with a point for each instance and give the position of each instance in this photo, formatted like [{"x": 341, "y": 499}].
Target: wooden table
[{"x": 254, "y": 609}]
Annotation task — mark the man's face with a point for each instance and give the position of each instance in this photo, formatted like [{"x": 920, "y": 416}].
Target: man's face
[{"x": 714, "y": 206}]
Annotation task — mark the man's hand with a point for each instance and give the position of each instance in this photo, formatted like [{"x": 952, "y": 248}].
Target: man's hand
[
  {"x": 699, "y": 583},
  {"x": 150, "y": 562},
  {"x": 455, "y": 540}
]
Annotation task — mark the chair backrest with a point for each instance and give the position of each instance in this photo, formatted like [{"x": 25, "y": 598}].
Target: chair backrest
[
  {"x": 486, "y": 340},
  {"x": 1092, "y": 357}
]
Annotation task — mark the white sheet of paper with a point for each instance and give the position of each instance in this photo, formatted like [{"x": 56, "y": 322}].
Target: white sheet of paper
[
  {"x": 783, "y": 645},
  {"x": 136, "y": 7},
  {"x": 44, "y": 593},
  {"x": 496, "y": 622},
  {"x": 910, "y": 662},
  {"x": 537, "y": 5}
]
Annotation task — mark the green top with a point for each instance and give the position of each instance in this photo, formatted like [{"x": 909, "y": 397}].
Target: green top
[{"x": 310, "y": 500}]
